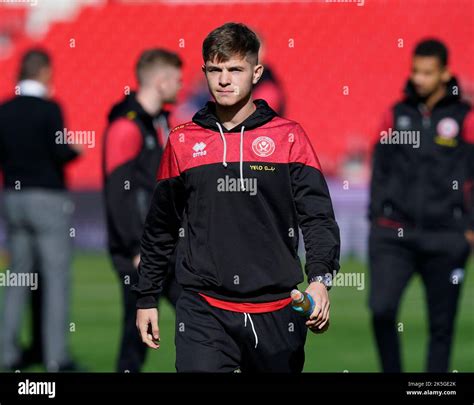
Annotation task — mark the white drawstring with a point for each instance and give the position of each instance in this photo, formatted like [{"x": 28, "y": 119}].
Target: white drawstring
[
  {"x": 253, "y": 328},
  {"x": 224, "y": 163},
  {"x": 242, "y": 158},
  {"x": 225, "y": 145}
]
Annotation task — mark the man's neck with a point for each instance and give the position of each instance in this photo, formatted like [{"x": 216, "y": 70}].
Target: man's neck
[
  {"x": 236, "y": 114},
  {"x": 149, "y": 100},
  {"x": 33, "y": 87},
  {"x": 434, "y": 97}
]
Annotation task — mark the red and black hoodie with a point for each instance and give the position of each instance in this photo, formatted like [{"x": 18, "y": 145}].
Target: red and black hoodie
[
  {"x": 133, "y": 146},
  {"x": 231, "y": 201},
  {"x": 429, "y": 186}
]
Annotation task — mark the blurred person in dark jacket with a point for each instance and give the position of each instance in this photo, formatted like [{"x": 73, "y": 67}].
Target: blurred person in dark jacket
[
  {"x": 133, "y": 145},
  {"x": 421, "y": 208},
  {"x": 38, "y": 212}
]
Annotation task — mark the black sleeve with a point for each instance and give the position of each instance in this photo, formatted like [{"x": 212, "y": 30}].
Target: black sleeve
[
  {"x": 380, "y": 170},
  {"x": 315, "y": 212},
  {"x": 123, "y": 213},
  {"x": 468, "y": 136},
  {"x": 161, "y": 231},
  {"x": 470, "y": 191},
  {"x": 2, "y": 153},
  {"x": 378, "y": 182},
  {"x": 125, "y": 218},
  {"x": 61, "y": 152}
]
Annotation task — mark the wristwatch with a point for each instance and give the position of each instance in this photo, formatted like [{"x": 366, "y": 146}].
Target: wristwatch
[{"x": 326, "y": 280}]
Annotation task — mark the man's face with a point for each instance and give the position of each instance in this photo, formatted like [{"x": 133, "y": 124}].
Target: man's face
[
  {"x": 231, "y": 81},
  {"x": 427, "y": 75},
  {"x": 169, "y": 83},
  {"x": 45, "y": 75}
]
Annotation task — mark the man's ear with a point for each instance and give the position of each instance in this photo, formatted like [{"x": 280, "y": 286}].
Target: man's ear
[
  {"x": 203, "y": 68},
  {"x": 257, "y": 73},
  {"x": 446, "y": 75}
]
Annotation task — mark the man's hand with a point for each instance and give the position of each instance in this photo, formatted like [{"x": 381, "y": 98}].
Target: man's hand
[
  {"x": 470, "y": 237},
  {"x": 319, "y": 319},
  {"x": 147, "y": 324},
  {"x": 136, "y": 261}
]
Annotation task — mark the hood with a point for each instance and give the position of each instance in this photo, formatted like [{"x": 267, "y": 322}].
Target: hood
[
  {"x": 128, "y": 104},
  {"x": 207, "y": 118},
  {"x": 453, "y": 93}
]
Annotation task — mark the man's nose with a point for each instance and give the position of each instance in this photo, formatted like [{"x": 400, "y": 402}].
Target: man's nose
[{"x": 224, "y": 78}]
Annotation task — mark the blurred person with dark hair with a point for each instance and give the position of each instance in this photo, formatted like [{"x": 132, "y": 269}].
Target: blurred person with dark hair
[
  {"x": 269, "y": 88},
  {"x": 421, "y": 208},
  {"x": 234, "y": 185},
  {"x": 38, "y": 212},
  {"x": 133, "y": 145}
]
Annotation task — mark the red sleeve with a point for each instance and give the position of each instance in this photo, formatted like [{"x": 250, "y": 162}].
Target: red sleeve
[
  {"x": 169, "y": 163},
  {"x": 468, "y": 127},
  {"x": 302, "y": 151},
  {"x": 270, "y": 93},
  {"x": 385, "y": 123},
  {"x": 387, "y": 120},
  {"x": 123, "y": 143}
]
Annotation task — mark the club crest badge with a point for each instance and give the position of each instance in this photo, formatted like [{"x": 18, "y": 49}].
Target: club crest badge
[
  {"x": 447, "y": 128},
  {"x": 263, "y": 146}
]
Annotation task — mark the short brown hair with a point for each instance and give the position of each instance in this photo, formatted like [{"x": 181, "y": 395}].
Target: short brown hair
[
  {"x": 228, "y": 40},
  {"x": 152, "y": 58},
  {"x": 32, "y": 62}
]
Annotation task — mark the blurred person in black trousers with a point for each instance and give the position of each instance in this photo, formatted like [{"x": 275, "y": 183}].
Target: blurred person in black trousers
[
  {"x": 38, "y": 214},
  {"x": 133, "y": 145},
  {"x": 421, "y": 207}
]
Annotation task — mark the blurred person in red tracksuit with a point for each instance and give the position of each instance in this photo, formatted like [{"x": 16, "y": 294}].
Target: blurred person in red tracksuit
[{"x": 133, "y": 145}]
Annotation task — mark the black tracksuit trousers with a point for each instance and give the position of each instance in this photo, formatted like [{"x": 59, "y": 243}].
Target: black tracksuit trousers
[
  {"x": 133, "y": 351},
  {"x": 439, "y": 258},
  {"x": 210, "y": 339}
]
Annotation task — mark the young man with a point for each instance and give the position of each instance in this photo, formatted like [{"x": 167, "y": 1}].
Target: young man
[
  {"x": 133, "y": 146},
  {"x": 421, "y": 205},
  {"x": 233, "y": 186}
]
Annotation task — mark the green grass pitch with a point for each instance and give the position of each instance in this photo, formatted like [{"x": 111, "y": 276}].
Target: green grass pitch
[{"x": 348, "y": 345}]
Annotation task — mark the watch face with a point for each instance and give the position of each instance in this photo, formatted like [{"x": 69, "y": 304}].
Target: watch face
[{"x": 328, "y": 282}]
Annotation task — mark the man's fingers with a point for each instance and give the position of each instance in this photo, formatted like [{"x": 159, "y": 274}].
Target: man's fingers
[
  {"x": 324, "y": 314},
  {"x": 147, "y": 323},
  {"x": 323, "y": 329},
  {"x": 152, "y": 342},
  {"x": 321, "y": 317},
  {"x": 155, "y": 331},
  {"x": 322, "y": 306},
  {"x": 143, "y": 331},
  {"x": 147, "y": 338},
  {"x": 325, "y": 319},
  {"x": 153, "y": 326},
  {"x": 317, "y": 310}
]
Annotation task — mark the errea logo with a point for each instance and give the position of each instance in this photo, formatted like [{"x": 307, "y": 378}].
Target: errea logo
[{"x": 198, "y": 149}]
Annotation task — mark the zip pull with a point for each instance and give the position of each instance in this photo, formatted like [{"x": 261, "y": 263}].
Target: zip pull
[{"x": 426, "y": 115}]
